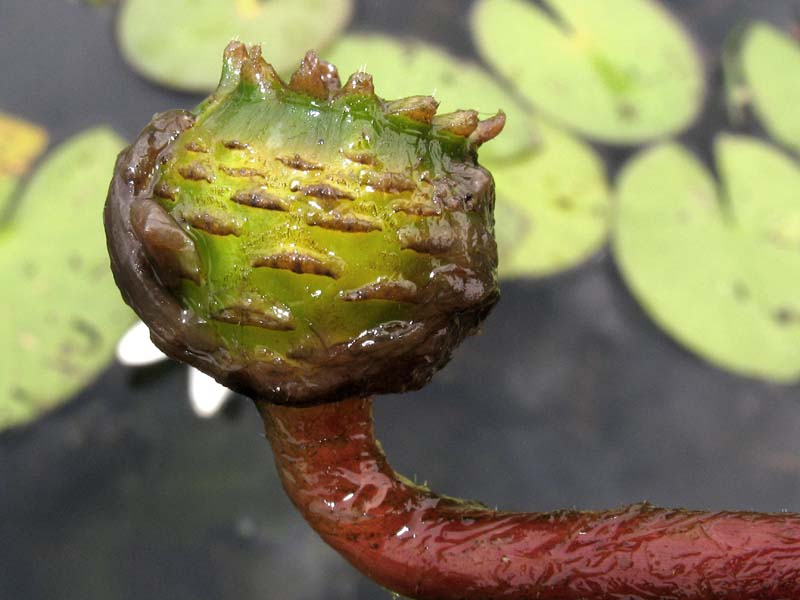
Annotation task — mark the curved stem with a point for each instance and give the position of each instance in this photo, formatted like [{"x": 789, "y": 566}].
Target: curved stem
[{"x": 427, "y": 546}]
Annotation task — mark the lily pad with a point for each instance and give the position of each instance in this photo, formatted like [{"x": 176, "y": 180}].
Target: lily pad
[
  {"x": 770, "y": 62},
  {"x": 619, "y": 71},
  {"x": 62, "y": 314},
  {"x": 719, "y": 271},
  {"x": 552, "y": 210},
  {"x": 22, "y": 142},
  {"x": 178, "y": 43},
  {"x": 8, "y": 186},
  {"x": 404, "y": 68}
]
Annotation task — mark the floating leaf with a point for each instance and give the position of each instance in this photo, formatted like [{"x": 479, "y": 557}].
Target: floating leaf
[
  {"x": 178, "y": 43},
  {"x": 719, "y": 272},
  {"x": 770, "y": 63},
  {"x": 61, "y": 312},
  {"x": 8, "y": 186},
  {"x": 403, "y": 68},
  {"x": 21, "y": 143},
  {"x": 620, "y": 71},
  {"x": 552, "y": 206}
]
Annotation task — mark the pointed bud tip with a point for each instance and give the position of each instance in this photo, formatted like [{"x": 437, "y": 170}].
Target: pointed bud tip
[
  {"x": 488, "y": 129},
  {"x": 257, "y": 71},
  {"x": 235, "y": 52},
  {"x": 358, "y": 84},
  {"x": 316, "y": 78},
  {"x": 417, "y": 108},
  {"x": 461, "y": 123}
]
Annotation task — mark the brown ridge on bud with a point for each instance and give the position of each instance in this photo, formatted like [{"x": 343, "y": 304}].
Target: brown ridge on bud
[
  {"x": 358, "y": 83},
  {"x": 394, "y": 290},
  {"x": 236, "y": 145},
  {"x": 301, "y": 263},
  {"x": 416, "y": 108},
  {"x": 242, "y": 172},
  {"x": 316, "y": 78},
  {"x": 436, "y": 241},
  {"x": 214, "y": 224},
  {"x": 165, "y": 191},
  {"x": 362, "y": 157},
  {"x": 417, "y": 208},
  {"x": 462, "y": 122},
  {"x": 169, "y": 249},
  {"x": 488, "y": 129},
  {"x": 260, "y": 198},
  {"x": 197, "y": 147},
  {"x": 255, "y": 310},
  {"x": 391, "y": 183},
  {"x": 196, "y": 172},
  {"x": 345, "y": 222},
  {"x": 323, "y": 191},
  {"x": 299, "y": 163}
]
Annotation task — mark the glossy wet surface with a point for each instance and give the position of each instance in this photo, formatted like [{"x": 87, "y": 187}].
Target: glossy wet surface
[{"x": 571, "y": 397}]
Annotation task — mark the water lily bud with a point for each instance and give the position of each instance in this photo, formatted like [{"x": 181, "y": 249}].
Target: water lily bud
[{"x": 306, "y": 241}]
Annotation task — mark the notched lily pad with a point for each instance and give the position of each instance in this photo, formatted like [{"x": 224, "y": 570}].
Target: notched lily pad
[
  {"x": 552, "y": 210},
  {"x": 62, "y": 314},
  {"x": 619, "y": 71},
  {"x": 178, "y": 43},
  {"x": 404, "y": 67},
  {"x": 719, "y": 271},
  {"x": 770, "y": 66}
]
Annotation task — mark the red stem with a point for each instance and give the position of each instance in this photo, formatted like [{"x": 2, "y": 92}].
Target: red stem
[{"x": 426, "y": 546}]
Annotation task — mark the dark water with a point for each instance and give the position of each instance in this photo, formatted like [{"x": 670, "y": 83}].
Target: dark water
[{"x": 571, "y": 397}]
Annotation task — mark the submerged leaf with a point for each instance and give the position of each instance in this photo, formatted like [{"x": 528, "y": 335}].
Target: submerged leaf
[
  {"x": 406, "y": 67},
  {"x": 552, "y": 206},
  {"x": 770, "y": 62},
  {"x": 61, "y": 312},
  {"x": 177, "y": 42},
  {"x": 620, "y": 71},
  {"x": 719, "y": 272}
]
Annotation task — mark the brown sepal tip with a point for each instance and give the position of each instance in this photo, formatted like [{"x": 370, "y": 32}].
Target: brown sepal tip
[
  {"x": 488, "y": 129},
  {"x": 417, "y": 108},
  {"x": 316, "y": 78}
]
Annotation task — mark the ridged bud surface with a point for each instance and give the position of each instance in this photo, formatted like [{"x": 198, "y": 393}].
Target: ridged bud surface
[{"x": 307, "y": 241}]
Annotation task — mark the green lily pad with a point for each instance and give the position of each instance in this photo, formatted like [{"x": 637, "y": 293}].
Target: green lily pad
[
  {"x": 22, "y": 143},
  {"x": 405, "y": 68},
  {"x": 552, "y": 210},
  {"x": 8, "y": 186},
  {"x": 619, "y": 71},
  {"x": 179, "y": 43},
  {"x": 770, "y": 62},
  {"x": 62, "y": 314},
  {"x": 719, "y": 271}
]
